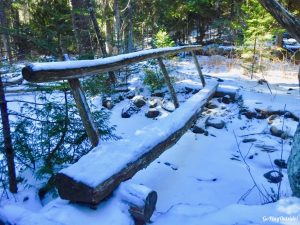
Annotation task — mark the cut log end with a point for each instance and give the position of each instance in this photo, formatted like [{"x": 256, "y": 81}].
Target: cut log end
[
  {"x": 27, "y": 73},
  {"x": 141, "y": 200}
]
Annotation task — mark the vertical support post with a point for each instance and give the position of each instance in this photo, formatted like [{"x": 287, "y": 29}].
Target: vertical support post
[
  {"x": 9, "y": 151},
  {"x": 198, "y": 67},
  {"x": 168, "y": 81},
  {"x": 84, "y": 111}
]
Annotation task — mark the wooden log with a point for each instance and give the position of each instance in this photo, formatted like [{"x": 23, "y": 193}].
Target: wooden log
[
  {"x": 141, "y": 200},
  {"x": 198, "y": 67},
  {"x": 84, "y": 111},
  {"x": 168, "y": 82},
  {"x": 95, "y": 175},
  {"x": 56, "y": 71}
]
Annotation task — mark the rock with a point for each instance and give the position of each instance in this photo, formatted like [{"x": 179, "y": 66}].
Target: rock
[
  {"x": 168, "y": 106},
  {"x": 188, "y": 90},
  {"x": 199, "y": 130},
  {"x": 262, "y": 81},
  {"x": 280, "y": 163},
  {"x": 139, "y": 101},
  {"x": 278, "y": 133},
  {"x": 153, "y": 102},
  {"x": 211, "y": 105},
  {"x": 130, "y": 94},
  {"x": 158, "y": 94},
  {"x": 152, "y": 113},
  {"x": 226, "y": 99},
  {"x": 107, "y": 103},
  {"x": 250, "y": 115},
  {"x": 247, "y": 140},
  {"x": 129, "y": 111},
  {"x": 216, "y": 123},
  {"x": 274, "y": 176},
  {"x": 272, "y": 118}
]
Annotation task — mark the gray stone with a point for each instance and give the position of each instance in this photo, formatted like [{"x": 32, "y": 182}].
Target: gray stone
[
  {"x": 168, "y": 106},
  {"x": 216, "y": 123},
  {"x": 153, "y": 102},
  {"x": 226, "y": 99},
  {"x": 127, "y": 112},
  {"x": 152, "y": 113},
  {"x": 139, "y": 101}
]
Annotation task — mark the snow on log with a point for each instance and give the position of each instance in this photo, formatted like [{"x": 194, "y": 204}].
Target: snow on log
[
  {"x": 97, "y": 174},
  {"x": 224, "y": 90},
  {"x": 55, "y": 71},
  {"x": 141, "y": 200}
]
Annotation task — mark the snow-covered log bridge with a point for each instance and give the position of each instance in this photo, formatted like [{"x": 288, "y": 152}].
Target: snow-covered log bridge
[{"x": 96, "y": 175}]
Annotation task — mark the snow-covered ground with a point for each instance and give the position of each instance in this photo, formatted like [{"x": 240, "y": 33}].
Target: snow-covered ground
[{"x": 204, "y": 179}]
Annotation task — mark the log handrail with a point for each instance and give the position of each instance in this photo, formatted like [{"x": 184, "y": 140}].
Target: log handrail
[{"x": 56, "y": 71}]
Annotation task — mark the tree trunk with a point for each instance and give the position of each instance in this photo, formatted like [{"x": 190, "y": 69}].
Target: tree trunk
[
  {"x": 279, "y": 40},
  {"x": 130, "y": 29},
  {"x": 283, "y": 17},
  {"x": 9, "y": 152},
  {"x": 81, "y": 27},
  {"x": 294, "y": 164},
  {"x": 4, "y": 31},
  {"x": 117, "y": 24},
  {"x": 101, "y": 40},
  {"x": 108, "y": 27}
]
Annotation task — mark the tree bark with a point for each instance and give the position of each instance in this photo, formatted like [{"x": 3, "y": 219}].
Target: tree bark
[
  {"x": 4, "y": 31},
  {"x": 294, "y": 164},
  {"x": 9, "y": 152},
  {"x": 130, "y": 29},
  {"x": 283, "y": 17},
  {"x": 101, "y": 40},
  {"x": 81, "y": 27},
  {"x": 117, "y": 24}
]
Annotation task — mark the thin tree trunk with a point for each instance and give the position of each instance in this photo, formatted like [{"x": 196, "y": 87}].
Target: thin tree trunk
[
  {"x": 117, "y": 23},
  {"x": 9, "y": 152},
  {"x": 101, "y": 40},
  {"x": 4, "y": 31},
  {"x": 130, "y": 29}
]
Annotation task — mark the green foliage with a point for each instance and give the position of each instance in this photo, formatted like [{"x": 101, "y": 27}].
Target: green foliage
[
  {"x": 153, "y": 79},
  {"x": 162, "y": 39},
  {"x": 50, "y": 26},
  {"x": 50, "y": 134},
  {"x": 96, "y": 85}
]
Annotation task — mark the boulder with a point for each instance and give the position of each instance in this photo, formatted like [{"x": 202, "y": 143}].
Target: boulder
[
  {"x": 152, "y": 113},
  {"x": 280, "y": 163},
  {"x": 211, "y": 105},
  {"x": 130, "y": 94},
  {"x": 226, "y": 99},
  {"x": 274, "y": 176},
  {"x": 168, "y": 106},
  {"x": 139, "y": 101},
  {"x": 127, "y": 112},
  {"x": 216, "y": 123},
  {"x": 153, "y": 102},
  {"x": 278, "y": 133},
  {"x": 107, "y": 103}
]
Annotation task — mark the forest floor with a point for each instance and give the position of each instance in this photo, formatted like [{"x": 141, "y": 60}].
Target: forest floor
[{"x": 212, "y": 178}]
